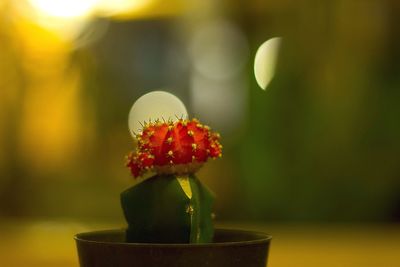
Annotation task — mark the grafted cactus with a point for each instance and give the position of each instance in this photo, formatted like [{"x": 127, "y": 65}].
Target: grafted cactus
[{"x": 172, "y": 206}]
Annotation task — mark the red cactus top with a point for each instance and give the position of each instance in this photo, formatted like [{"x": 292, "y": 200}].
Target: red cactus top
[{"x": 179, "y": 147}]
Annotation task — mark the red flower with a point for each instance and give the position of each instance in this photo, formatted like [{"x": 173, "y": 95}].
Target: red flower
[{"x": 174, "y": 147}]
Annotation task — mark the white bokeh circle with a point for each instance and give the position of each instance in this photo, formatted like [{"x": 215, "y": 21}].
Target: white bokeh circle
[
  {"x": 155, "y": 105},
  {"x": 265, "y": 61}
]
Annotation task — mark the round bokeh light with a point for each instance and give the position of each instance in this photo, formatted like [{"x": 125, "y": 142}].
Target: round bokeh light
[
  {"x": 155, "y": 105},
  {"x": 265, "y": 61}
]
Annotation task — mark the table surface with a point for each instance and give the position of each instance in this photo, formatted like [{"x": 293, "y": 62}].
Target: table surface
[{"x": 50, "y": 243}]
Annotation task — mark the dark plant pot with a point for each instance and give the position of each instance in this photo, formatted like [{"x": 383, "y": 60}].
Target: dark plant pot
[{"x": 229, "y": 248}]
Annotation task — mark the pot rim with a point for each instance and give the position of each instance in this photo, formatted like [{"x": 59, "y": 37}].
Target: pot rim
[{"x": 259, "y": 238}]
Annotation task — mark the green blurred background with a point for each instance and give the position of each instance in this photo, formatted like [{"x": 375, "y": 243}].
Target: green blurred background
[{"x": 321, "y": 144}]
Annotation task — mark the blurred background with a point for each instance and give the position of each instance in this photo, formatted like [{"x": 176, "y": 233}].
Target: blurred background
[{"x": 320, "y": 145}]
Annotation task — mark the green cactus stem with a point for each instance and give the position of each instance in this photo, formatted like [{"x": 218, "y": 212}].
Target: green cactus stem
[{"x": 168, "y": 209}]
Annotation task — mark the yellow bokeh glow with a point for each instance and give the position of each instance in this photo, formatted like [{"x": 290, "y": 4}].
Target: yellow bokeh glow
[
  {"x": 116, "y": 7},
  {"x": 71, "y": 9},
  {"x": 68, "y": 18},
  {"x": 65, "y": 9},
  {"x": 51, "y": 110}
]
